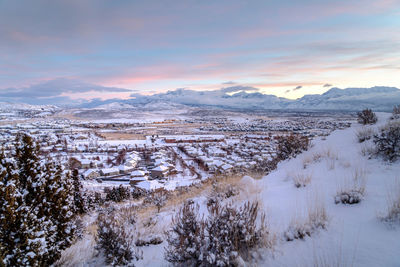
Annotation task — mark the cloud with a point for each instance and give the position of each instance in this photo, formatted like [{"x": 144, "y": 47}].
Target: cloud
[
  {"x": 297, "y": 88},
  {"x": 327, "y": 85},
  {"x": 229, "y": 83},
  {"x": 287, "y": 91},
  {"x": 57, "y": 87},
  {"x": 55, "y": 91}
]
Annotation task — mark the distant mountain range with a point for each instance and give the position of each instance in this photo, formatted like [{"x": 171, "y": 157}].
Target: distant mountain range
[
  {"x": 378, "y": 98},
  {"x": 351, "y": 99}
]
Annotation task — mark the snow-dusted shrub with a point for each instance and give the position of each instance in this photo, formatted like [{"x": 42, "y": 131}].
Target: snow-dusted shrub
[
  {"x": 352, "y": 190},
  {"x": 115, "y": 240},
  {"x": 158, "y": 198},
  {"x": 396, "y": 112},
  {"x": 233, "y": 232},
  {"x": 349, "y": 197},
  {"x": 225, "y": 237},
  {"x": 392, "y": 215},
  {"x": 117, "y": 194},
  {"x": 186, "y": 240},
  {"x": 301, "y": 180},
  {"x": 366, "y": 116},
  {"x": 300, "y": 228},
  {"x": 150, "y": 240},
  {"x": 364, "y": 134},
  {"x": 387, "y": 141},
  {"x": 291, "y": 145},
  {"x": 137, "y": 192}
]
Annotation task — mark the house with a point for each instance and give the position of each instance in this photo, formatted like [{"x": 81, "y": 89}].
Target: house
[
  {"x": 159, "y": 171},
  {"x": 138, "y": 176},
  {"x": 148, "y": 185},
  {"x": 109, "y": 171},
  {"x": 90, "y": 174},
  {"x": 125, "y": 169},
  {"x": 139, "y": 173}
]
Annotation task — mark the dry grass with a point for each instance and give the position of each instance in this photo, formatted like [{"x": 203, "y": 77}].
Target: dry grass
[
  {"x": 301, "y": 180},
  {"x": 364, "y": 134},
  {"x": 367, "y": 150},
  {"x": 82, "y": 250},
  {"x": 122, "y": 136},
  {"x": 327, "y": 153},
  {"x": 352, "y": 190},
  {"x": 392, "y": 215},
  {"x": 315, "y": 219}
]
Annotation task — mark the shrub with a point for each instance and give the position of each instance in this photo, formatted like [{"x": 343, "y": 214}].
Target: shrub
[
  {"x": 158, "y": 198},
  {"x": 364, "y": 134},
  {"x": 115, "y": 240},
  {"x": 223, "y": 239},
  {"x": 117, "y": 194},
  {"x": 137, "y": 192},
  {"x": 299, "y": 229},
  {"x": 291, "y": 145},
  {"x": 352, "y": 192},
  {"x": 367, "y": 116},
  {"x": 387, "y": 141},
  {"x": 186, "y": 239},
  {"x": 396, "y": 112}
]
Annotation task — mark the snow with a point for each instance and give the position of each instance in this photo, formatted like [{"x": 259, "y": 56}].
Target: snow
[
  {"x": 354, "y": 235},
  {"x": 354, "y": 231}
]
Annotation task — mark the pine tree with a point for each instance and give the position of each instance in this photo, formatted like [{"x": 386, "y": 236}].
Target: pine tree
[
  {"x": 31, "y": 237},
  {"x": 36, "y": 212},
  {"x": 80, "y": 205},
  {"x": 9, "y": 216},
  {"x": 59, "y": 210}
]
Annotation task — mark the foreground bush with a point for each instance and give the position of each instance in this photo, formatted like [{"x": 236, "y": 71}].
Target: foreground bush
[
  {"x": 367, "y": 116},
  {"x": 224, "y": 238},
  {"x": 115, "y": 239},
  {"x": 387, "y": 141},
  {"x": 117, "y": 194},
  {"x": 186, "y": 239},
  {"x": 291, "y": 145}
]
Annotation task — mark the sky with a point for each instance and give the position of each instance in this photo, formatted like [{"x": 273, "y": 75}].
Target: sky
[{"x": 74, "y": 49}]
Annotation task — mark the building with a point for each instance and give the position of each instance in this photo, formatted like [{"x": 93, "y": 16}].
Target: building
[
  {"x": 109, "y": 171},
  {"x": 90, "y": 174}
]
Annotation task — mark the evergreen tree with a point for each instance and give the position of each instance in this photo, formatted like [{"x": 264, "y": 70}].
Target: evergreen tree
[
  {"x": 80, "y": 205},
  {"x": 36, "y": 217}
]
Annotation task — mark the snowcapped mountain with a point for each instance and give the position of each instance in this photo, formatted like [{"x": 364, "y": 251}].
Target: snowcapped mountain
[
  {"x": 238, "y": 97},
  {"x": 378, "y": 98}
]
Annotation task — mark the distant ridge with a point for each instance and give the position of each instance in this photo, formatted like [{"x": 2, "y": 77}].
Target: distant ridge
[{"x": 378, "y": 98}]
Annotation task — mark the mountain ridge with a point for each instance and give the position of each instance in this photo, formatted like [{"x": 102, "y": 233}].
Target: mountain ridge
[{"x": 379, "y": 98}]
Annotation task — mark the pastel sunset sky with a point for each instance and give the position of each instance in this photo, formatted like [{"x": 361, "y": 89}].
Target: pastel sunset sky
[{"x": 286, "y": 48}]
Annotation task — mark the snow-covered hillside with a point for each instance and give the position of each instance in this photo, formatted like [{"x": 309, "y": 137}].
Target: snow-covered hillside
[
  {"x": 338, "y": 234},
  {"x": 354, "y": 236}
]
